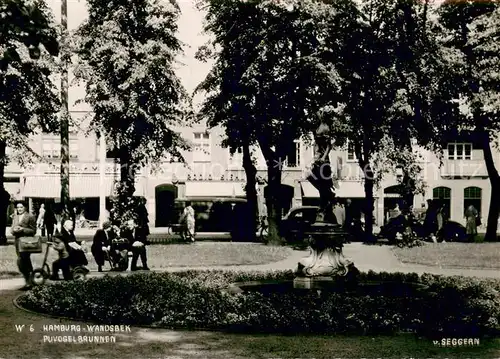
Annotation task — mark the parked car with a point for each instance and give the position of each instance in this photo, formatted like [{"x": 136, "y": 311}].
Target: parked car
[
  {"x": 453, "y": 232},
  {"x": 296, "y": 222},
  {"x": 301, "y": 220}
]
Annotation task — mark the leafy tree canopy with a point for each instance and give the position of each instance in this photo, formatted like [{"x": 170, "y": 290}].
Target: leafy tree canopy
[
  {"x": 28, "y": 45},
  {"x": 127, "y": 52},
  {"x": 265, "y": 84}
]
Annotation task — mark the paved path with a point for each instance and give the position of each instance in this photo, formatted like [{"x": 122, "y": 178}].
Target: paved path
[
  {"x": 376, "y": 258},
  {"x": 382, "y": 259}
]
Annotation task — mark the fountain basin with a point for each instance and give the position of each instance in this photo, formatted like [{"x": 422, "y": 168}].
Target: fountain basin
[{"x": 331, "y": 285}]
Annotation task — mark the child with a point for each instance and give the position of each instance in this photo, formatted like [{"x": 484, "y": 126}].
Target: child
[{"x": 63, "y": 262}]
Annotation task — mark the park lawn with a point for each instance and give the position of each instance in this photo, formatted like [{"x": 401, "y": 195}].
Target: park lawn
[
  {"x": 202, "y": 254},
  {"x": 453, "y": 255},
  {"x": 160, "y": 343}
]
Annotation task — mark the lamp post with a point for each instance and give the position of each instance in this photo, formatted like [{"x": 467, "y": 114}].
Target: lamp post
[
  {"x": 102, "y": 174},
  {"x": 64, "y": 129}
]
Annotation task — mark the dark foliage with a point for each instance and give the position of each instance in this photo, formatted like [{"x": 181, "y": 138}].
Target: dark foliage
[{"x": 449, "y": 306}]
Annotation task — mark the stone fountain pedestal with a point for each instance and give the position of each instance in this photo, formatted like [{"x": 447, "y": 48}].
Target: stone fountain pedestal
[{"x": 326, "y": 265}]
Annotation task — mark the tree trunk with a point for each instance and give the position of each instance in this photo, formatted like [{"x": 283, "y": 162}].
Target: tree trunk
[
  {"x": 4, "y": 197},
  {"x": 251, "y": 192},
  {"x": 369, "y": 204},
  {"x": 408, "y": 190},
  {"x": 273, "y": 201},
  {"x": 65, "y": 199},
  {"x": 494, "y": 210},
  {"x": 125, "y": 206}
]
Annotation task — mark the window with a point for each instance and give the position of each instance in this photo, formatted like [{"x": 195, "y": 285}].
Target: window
[
  {"x": 351, "y": 152},
  {"x": 236, "y": 159},
  {"x": 293, "y": 158},
  {"x": 73, "y": 148},
  {"x": 459, "y": 151},
  {"x": 472, "y": 196},
  {"x": 202, "y": 149},
  {"x": 51, "y": 148}
]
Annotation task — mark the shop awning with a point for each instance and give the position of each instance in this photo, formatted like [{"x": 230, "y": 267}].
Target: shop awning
[
  {"x": 346, "y": 189},
  {"x": 80, "y": 186},
  {"x": 214, "y": 189}
]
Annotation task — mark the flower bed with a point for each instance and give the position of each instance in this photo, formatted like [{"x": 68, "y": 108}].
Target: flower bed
[{"x": 453, "y": 306}]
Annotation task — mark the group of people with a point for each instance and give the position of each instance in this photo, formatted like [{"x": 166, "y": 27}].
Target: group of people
[
  {"x": 48, "y": 219},
  {"x": 71, "y": 252},
  {"x": 435, "y": 218},
  {"x": 113, "y": 244}
]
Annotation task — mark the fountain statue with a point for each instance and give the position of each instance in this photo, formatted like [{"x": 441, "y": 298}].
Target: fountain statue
[{"x": 325, "y": 238}]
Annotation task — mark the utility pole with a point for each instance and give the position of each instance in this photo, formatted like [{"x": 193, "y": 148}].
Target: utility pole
[
  {"x": 64, "y": 120},
  {"x": 102, "y": 175}
]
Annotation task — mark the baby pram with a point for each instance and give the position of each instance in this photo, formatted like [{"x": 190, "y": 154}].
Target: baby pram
[
  {"x": 78, "y": 270},
  {"x": 118, "y": 254}
]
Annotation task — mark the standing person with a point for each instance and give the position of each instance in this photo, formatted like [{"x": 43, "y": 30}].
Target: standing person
[
  {"x": 348, "y": 215},
  {"x": 472, "y": 216},
  {"x": 105, "y": 216},
  {"x": 23, "y": 225},
  {"x": 50, "y": 222},
  {"x": 189, "y": 220},
  {"x": 40, "y": 222},
  {"x": 137, "y": 237},
  {"x": 143, "y": 216},
  {"x": 430, "y": 221},
  {"x": 352, "y": 219},
  {"x": 102, "y": 239},
  {"x": 339, "y": 212},
  {"x": 440, "y": 219},
  {"x": 396, "y": 212}
]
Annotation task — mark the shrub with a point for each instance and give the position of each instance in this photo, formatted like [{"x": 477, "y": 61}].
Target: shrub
[{"x": 451, "y": 306}]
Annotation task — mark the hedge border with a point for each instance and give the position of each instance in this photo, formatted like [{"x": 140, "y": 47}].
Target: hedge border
[
  {"x": 72, "y": 319},
  {"x": 184, "y": 329},
  {"x": 220, "y": 330}
]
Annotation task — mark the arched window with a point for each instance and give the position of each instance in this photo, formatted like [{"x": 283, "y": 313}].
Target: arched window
[
  {"x": 442, "y": 195},
  {"x": 472, "y": 196}
]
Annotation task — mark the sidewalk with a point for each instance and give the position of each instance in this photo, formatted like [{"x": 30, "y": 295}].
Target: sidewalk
[{"x": 375, "y": 258}]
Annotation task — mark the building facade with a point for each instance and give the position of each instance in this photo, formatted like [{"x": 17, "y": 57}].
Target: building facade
[{"x": 211, "y": 174}]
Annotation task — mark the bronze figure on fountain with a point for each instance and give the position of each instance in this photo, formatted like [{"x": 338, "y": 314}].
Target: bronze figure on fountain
[{"x": 326, "y": 237}]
